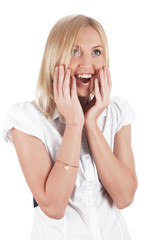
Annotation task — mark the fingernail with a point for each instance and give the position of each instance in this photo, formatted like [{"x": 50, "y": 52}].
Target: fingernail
[{"x": 56, "y": 68}]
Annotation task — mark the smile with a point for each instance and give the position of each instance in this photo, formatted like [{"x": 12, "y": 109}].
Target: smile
[{"x": 84, "y": 78}]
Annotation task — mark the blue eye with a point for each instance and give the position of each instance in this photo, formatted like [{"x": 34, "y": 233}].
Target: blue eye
[
  {"x": 97, "y": 52},
  {"x": 76, "y": 52}
]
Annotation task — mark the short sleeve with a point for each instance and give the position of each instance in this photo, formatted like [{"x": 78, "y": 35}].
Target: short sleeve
[
  {"x": 24, "y": 117},
  {"x": 124, "y": 112}
]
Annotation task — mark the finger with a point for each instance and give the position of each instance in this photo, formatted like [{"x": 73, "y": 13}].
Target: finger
[
  {"x": 60, "y": 80},
  {"x": 73, "y": 88},
  {"x": 106, "y": 74},
  {"x": 55, "y": 89},
  {"x": 66, "y": 84},
  {"x": 109, "y": 79},
  {"x": 102, "y": 82},
  {"x": 97, "y": 91}
]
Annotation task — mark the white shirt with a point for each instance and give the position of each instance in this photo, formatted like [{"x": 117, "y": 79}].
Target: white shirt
[{"x": 90, "y": 213}]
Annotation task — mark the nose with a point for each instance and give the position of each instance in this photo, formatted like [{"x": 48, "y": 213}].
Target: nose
[{"x": 85, "y": 61}]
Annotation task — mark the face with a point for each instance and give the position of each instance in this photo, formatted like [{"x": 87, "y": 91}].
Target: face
[{"x": 87, "y": 59}]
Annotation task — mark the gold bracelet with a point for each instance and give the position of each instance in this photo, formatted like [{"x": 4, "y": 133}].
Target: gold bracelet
[{"x": 67, "y": 166}]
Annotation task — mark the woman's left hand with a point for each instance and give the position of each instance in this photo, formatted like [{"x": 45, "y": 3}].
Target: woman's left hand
[{"x": 101, "y": 99}]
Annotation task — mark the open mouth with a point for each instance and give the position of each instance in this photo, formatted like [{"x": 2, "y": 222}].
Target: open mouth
[{"x": 84, "y": 78}]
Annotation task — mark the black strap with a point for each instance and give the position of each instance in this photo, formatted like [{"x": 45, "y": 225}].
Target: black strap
[{"x": 34, "y": 202}]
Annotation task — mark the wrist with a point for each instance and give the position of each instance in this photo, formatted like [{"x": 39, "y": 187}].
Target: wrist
[
  {"x": 90, "y": 124},
  {"x": 75, "y": 126}
]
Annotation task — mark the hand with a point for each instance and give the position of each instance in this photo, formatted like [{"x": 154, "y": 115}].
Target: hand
[
  {"x": 66, "y": 98},
  {"x": 101, "y": 99}
]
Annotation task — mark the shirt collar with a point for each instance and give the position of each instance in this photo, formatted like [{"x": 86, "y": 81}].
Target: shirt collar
[{"x": 58, "y": 115}]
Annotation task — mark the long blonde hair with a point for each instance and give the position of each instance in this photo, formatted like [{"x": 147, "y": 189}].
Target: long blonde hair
[{"x": 58, "y": 51}]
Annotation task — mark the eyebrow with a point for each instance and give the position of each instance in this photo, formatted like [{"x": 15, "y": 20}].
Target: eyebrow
[{"x": 98, "y": 46}]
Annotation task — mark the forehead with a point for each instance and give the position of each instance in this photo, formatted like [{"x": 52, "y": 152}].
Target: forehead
[{"x": 88, "y": 37}]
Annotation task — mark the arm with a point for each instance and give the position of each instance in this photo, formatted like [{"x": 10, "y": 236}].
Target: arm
[
  {"x": 50, "y": 185},
  {"x": 116, "y": 170}
]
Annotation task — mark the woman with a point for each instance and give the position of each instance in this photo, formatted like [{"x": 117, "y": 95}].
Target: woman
[{"x": 74, "y": 141}]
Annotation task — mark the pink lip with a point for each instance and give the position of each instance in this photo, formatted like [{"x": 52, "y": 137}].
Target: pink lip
[{"x": 81, "y": 83}]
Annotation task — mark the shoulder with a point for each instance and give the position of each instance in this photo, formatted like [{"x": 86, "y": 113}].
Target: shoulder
[
  {"x": 25, "y": 112},
  {"x": 25, "y": 108},
  {"x": 25, "y": 117},
  {"x": 118, "y": 102},
  {"x": 120, "y": 105},
  {"x": 121, "y": 111}
]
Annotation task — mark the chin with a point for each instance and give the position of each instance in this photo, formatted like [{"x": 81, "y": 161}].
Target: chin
[
  {"x": 84, "y": 92},
  {"x": 84, "y": 95}
]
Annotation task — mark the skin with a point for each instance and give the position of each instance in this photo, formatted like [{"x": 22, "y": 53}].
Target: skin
[
  {"x": 116, "y": 169},
  {"x": 88, "y": 57},
  {"x": 50, "y": 184}
]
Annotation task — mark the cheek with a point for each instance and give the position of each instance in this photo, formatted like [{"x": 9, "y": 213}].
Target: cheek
[
  {"x": 99, "y": 63},
  {"x": 102, "y": 63},
  {"x": 72, "y": 66}
]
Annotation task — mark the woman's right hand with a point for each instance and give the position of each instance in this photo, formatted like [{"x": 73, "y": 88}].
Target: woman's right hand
[{"x": 66, "y": 99}]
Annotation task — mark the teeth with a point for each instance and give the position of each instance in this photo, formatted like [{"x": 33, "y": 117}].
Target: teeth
[{"x": 84, "y": 75}]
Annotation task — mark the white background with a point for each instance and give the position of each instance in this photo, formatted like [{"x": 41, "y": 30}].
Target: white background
[{"x": 133, "y": 35}]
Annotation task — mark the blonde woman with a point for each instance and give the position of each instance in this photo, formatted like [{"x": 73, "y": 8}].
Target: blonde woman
[{"x": 74, "y": 141}]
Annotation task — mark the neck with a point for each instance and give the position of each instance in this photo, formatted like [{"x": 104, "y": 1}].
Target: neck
[{"x": 83, "y": 101}]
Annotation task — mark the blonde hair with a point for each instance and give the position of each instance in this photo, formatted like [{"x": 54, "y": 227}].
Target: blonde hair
[{"x": 58, "y": 51}]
